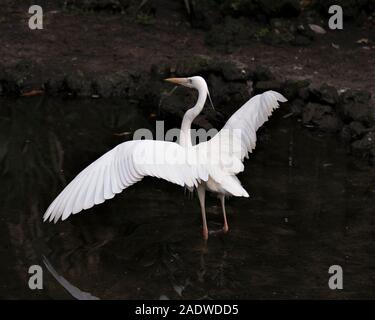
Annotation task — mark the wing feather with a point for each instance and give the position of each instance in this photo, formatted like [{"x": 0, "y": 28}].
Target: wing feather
[
  {"x": 120, "y": 168},
  {"x": 241, "y": 127},
  {"x": 90, "y": 194},
  {"x": 99, "y": 189}
]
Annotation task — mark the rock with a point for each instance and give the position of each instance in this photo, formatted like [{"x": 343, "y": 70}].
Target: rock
[
  {"x": 317, "y": 29},
  {"x": 233, "y": 70},
  {"x": 262, "y": 86},
  {"x": 326, "y": 94},
  {"x": 296, "y": 106},
  {"x": 282, "y": 31},
  {"x": 360, "y": 96},
  {"x": 56, "y": 85},
  {"x": 292, "y": 88},
  {"x": 175, "y": 105},
  {"x": 357, "y": 129},
  {"x": 160, "y": 71},
  {"x": 321, "y": 116},
  {"x": 119, "y": 84},
  {"x": 365, "y": 144},
  {"x": 303, "y": 35},
  {"x": 230, "y": 70},
  {"x": 228, "y": 96},
  {"x": 346, "y": 133},
  {"x": 356, "y": 105},
  {"x": 195, "y": 65},
  {"x": 304, "y": 93},
  {"x": 278, "y": 23},
  {"x": 26, "y": 75},
  {"x": 77, "y": 83},
  {"x": 363, "y": 41},
  {"x": 262, "y": 73}
]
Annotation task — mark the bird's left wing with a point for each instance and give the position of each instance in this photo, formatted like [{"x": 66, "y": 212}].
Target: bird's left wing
[
  {"x": 123, "y": 166},
  {"x": 244, "y": 123},
  {"x": 238, "y": 136}
]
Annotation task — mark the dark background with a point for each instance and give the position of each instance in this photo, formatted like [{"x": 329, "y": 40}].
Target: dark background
[{"x": 75, "y": 89}]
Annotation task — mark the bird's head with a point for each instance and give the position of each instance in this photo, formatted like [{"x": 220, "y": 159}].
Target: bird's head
[
  {"x": 192, "y": 82},
  {"x": 196, "y": 82}
]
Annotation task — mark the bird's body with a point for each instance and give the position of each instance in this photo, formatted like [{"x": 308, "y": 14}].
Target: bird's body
[
  {"x": 215, "y": 187},
  {"x": 211, "y": 165}
]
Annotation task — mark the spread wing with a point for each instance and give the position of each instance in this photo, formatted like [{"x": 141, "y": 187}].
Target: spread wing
[
  {"x": 225, "y": 152},
  {"x": 121, "y": 167},
  {"x": 238, "y": 136}
]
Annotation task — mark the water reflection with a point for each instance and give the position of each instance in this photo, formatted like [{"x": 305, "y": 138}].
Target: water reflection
[
  {"x": 310, "y": 207},
  {"x": 74, "y": 291}
]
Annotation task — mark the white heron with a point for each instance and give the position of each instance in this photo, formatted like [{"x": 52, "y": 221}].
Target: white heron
[{"x": 211, "y": 165}]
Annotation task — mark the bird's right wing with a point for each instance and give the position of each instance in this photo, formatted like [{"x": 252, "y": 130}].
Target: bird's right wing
[{"x": 121, "y": 167}]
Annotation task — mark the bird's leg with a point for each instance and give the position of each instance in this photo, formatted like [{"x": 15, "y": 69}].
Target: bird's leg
[
  {"x": 222, "y": 200},
  {"x": 201, "y": 195}
]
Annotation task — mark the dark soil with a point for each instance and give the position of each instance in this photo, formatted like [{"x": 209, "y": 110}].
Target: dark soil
[{"x": 101, "y": 44}]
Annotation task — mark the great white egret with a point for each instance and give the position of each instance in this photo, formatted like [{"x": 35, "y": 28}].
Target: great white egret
[{"x": 211, "y": 165}]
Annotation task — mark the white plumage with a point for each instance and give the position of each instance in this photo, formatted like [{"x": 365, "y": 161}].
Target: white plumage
[{"x": 211, "y": 165}]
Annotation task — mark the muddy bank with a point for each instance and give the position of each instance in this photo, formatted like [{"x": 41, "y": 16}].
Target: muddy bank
[
  {"x": 325, "y": 109},
  {"x": 85, "y": 44}
]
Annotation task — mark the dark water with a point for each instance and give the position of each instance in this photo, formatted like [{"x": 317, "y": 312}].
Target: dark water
[{"x": 311, "y": 207}]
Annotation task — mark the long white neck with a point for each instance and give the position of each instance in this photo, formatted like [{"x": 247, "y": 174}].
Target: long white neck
[{"x": 190, "y": 115}]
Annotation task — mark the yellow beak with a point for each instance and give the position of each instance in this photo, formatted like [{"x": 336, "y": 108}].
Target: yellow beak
[{"x": 180, "y": 81}]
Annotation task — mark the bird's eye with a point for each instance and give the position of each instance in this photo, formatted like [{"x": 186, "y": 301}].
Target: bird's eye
[{"x": 190, "y": 81}]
